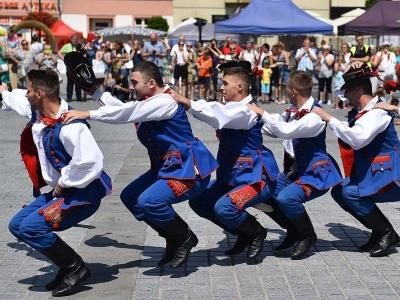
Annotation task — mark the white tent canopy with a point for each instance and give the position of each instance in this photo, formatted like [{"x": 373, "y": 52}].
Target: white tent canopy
[
  {"x": 191, "y": 31},
  {"x": 347, "y": 17}
]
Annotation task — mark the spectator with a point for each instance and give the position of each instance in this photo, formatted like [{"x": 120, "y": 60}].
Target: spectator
[
  {"x": 199, "y": 49},
  {"x": 180, "y": 66},
  {"x": 91, "y": 51},
  {"x": 181, "y": 39},
  {"x": 106, "y": 57},
  {"x": 192, "y": 69},
  {"x": 320, "y": 50},
  {"x": 25, "y": 62},
  {"x": 266, "y": 81},
  {"x": 97, "y": 43},
  {"x": 204, "y": 65},
  {"x": 47, "y": 59},
  {"x": 214, "y": 54},
  {"x": 397, "y": 52},
  {"x": 387, "y": 59},
  {"x": 4, "y": 75},
  {"x": 395, "y": 102},
  {"x": 339, "y": 68},
  {"x": 70, "y": 84},
  {"x": 12, "y": 43},
  {"x": 265, "y": 54},
  {"x": 221, "y": 60},
  {"x": 121, "y": 87},
  {"x": 346, "y": 53},
  {"x": 226, "y": 49},
  {"x": 282, "y": 62},
  {"x": 167, "y": 68},
  {"x": 375, "y": 61},
  {"x": 36, "y": 47},
  {"x": 128, "y": 46},
  {"x": 120, "y": 58},
  {"x": 325, "y": 63},
  {"x": 360, "y": 52},
  {"x": 136, "y": 54},
  {"x": 305, "y": 57},
  {"x": 108, "y": 47},
  {"x": 155, "y": 51},
  {"x": 250, "y": 55},
  {"x": 233, "y": 54}
]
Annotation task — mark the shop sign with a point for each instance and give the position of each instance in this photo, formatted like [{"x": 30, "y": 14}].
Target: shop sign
[{"x": 28, "y": 6}]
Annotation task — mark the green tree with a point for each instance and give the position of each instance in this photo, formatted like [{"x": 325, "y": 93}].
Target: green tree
[
  {"x": 157, "y": 22},
  {"x": 370, "y": 3}
]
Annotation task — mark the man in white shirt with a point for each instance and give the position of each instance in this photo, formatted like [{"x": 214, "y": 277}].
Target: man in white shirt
[
  {"x": 370, "y": 151},
  {"x": 65, "y": 157},
  {"x": 247, "y": 171},
  {"x": 309, "y": 171},
  {"x": 305, "y": 57},
  {"x": 180, "y": 164}
]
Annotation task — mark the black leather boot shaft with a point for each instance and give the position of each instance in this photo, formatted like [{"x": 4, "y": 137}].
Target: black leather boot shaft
[
  {"x": 306, "y": 234},
  {"x": 256, "y": 235}
]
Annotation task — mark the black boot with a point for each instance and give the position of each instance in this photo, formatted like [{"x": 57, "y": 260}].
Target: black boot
[
  {"x": 56, "y": 281},
  {"x": 70, "y": 263},
  {"x": 381, "y": 226},
  {"x": 242, "y": 240},
  {"x": 373, "y": 239},
  {"x": 256, "y": 234},
  {"x": 184, "y": 239},
  {"x": 306, "y": 233},
  {"x": 170, "y": 243},
  {"x": 280, "y": 218}
]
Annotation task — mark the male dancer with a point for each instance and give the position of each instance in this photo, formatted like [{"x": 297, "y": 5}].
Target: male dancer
[
  {"x": 181, "y": 164},
  {"x": 65, "y": 157},
  {"x": 248, "y": 171},
  {"x": 309, "y": 171},
  {"x": 370, "y": 152}
]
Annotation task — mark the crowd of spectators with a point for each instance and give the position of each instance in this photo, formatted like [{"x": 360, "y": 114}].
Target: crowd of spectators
[{"x": 192, "y": 68}]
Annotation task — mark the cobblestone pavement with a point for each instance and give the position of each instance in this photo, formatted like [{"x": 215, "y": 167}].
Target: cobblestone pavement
[{"x": 123, "y": 253}]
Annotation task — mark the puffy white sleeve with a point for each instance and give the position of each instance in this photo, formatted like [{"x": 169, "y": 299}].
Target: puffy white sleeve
[
  {"x": 364, "y": 130},
  {"x": 233, "y": 115},
  {"x": 157, "y": 108},
  {"x": 86, "y": 164},
  {"x": 276, "y": 126},
  {"x": 16, "y": 100}
]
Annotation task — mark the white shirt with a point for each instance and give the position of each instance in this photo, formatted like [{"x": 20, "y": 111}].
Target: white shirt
[
  {"x": 175, "y": 49},
  {"x": 365, "y": 129},
  {"x": 260, "y": 63},
  {"x": 250, "y": 56},
  {"x": 86, "y": 164},
  {"x": 156, "y": 108},
  {"x": 233, "y": 115},
  {"x": 310, "y": 125}
]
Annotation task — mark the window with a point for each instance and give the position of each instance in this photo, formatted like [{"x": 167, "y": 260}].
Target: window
[
  {"x": 141, "y": 22},
  {"x": 97, "y": 24}
]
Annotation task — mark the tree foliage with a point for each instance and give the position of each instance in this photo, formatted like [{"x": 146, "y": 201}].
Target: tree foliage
[
  {"x": 43, "y": 17},
  {"x": 157, "y": 22},
  {"x": 370, "y": 3}
]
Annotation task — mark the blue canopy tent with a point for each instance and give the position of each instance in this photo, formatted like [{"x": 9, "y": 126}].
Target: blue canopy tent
[{"x": 273, "y": 17}]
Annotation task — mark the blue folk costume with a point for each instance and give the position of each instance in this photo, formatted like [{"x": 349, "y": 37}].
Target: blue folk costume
[
  {"x": 247, "y": 176},
  {"x": 180, "y": 169},
  {"x": 371, "y": 176},
  {"x": 53, "y": 214},
  {"x": 36, "y": 223}
]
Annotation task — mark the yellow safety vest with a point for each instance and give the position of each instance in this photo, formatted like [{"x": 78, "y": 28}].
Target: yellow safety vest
[{"x": 353, "y": 51}]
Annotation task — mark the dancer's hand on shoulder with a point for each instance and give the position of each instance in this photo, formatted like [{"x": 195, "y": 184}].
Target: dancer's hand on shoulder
[{"x": 71, "y": 115}]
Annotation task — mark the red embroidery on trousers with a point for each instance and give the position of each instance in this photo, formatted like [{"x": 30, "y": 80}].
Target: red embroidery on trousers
[
  {"x": 242, "y": 196},
  {"x": 179, "y": 187}
]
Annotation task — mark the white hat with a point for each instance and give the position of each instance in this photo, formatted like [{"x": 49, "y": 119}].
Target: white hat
[
  {"x": 228, "y": 57},
  {"x": 221, "y": 56},
  {"x": 385, "y": 43}
]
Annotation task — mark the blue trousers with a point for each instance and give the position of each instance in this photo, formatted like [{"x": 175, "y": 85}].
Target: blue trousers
[
  {"x": 70, "y": 90},
  {"x": 34, "y": 230},
  {"x": 290, "y": 197},
  {"x": 213, "y": 202},
  {"x": 348, "y": 197},
  {"x": 152, "y": 198}
]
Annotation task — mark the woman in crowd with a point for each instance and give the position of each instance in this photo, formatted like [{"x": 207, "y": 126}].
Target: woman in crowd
[
  {"x": 12, "y": 44},
  {"x": 24, "y": 59},
  {"x": 121, "y": 57},
  {"x": 325, "y": 62},
  {"x": 233, "y": 54},
  {"x": 215, "y": 53},
  {"x": 47, "y": 59},
  {"x": 4, "y": 75},
  {"x": 106, "y": 56},
  {"x": 282, "y": 61},
  {"x": 167, "y": 68},
  {"x": 192, "y": 69},
  {"x": 346, "y": 53}
]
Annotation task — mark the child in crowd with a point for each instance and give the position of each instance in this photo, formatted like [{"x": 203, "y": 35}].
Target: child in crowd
[
  {"x": 266, "y": 81},
  {"x": 204, "y": 65}
]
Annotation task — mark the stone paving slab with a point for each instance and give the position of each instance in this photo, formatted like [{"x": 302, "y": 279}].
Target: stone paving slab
[{"x": 123, "y": 253}]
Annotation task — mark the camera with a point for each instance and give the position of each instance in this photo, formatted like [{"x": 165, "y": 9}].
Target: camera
[{"x": 154, "y": 52}]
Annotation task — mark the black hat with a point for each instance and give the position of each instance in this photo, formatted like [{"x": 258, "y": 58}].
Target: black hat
[
  {"x": 79, "y": 70},
  {"x": 354, "y": 76},
  {"x": 244, "y": 64}
]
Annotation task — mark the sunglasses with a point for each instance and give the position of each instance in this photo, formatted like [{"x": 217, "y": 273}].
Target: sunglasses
[
  {"x": 181, "y": 45},
  {"x": 24, "y": 44},
  {"x": 360, "y": 40},
  {"x": 232, "y": 48}
]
